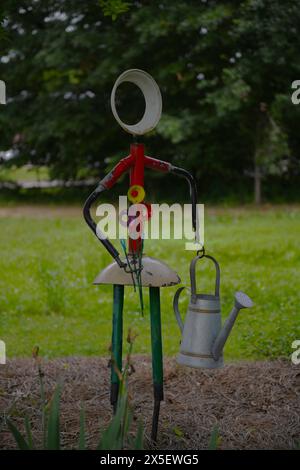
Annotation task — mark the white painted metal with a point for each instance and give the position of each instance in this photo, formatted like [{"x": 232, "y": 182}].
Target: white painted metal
[
  {"x": 155, "y": 273},
  {"x": 241, "y": 301},
  {"x": 2, "y": 92},
  {"x": 153, "y": 101},
  {"x": 203, "y": 337},
  {"x": 201, "y": 328}
]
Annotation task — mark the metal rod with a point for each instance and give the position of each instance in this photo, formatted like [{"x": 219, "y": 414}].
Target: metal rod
[
  {"x": 117, "y": 340},
  {"x": 193, "y": 191},
  {"x": 157, "y": 358},
  {"x": 155, "y": 419},
  {"x": 137, "y": 150}
]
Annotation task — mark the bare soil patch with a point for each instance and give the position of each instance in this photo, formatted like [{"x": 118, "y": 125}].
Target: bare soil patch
[{"x": 256, "y": 405}]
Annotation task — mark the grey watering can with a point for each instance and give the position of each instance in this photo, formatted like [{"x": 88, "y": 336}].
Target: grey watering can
[{"x": 203, "y": 337}]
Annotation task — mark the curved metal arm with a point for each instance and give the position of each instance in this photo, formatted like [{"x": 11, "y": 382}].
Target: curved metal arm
[
  {"x": 193, "y": 191},
  {"x": 167, "y": 167},
  {"x": 106, "y": 183},
  {"x": 93, "y": 226}
]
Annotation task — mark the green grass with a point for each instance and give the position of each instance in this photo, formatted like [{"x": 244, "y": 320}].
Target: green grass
[
  {"x": 48, "y": 266},
  {"x": 24, "y": 173}
]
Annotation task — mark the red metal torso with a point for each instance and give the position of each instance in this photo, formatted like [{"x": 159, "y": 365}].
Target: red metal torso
[
  {"x": 136, "y": 161},
  {"x": 137, "y": 151},
  {"x": 137, "y": 171}
]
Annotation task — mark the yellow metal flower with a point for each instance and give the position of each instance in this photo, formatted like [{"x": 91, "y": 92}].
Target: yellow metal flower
[{"x": 136, "y": 194}]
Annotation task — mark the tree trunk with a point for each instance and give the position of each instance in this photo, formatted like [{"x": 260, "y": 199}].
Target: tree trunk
[{"x": 257, "y": 184}]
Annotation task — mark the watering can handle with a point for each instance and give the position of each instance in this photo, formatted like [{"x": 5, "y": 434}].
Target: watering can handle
[
  {"x": 176, "y": 309},
  {"x": 193, "y": 276}
]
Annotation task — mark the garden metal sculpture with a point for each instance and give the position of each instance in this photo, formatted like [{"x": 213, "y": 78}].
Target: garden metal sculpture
[{"x": 145, "y": 271}]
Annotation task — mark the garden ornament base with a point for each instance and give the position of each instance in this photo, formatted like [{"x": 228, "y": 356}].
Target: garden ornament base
[
  {"x": 202, "y": 327},
  {"x": 154, "y": 273}
]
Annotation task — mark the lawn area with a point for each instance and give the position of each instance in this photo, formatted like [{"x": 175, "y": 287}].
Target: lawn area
[
  {"x": 49, "y": 259},
  {"x": 24, "y": 173}
]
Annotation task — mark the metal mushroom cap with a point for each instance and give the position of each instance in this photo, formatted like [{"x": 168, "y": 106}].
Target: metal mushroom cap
[
  {"x": 154, "y": 273},
  {"x": 242, "y": 300}
]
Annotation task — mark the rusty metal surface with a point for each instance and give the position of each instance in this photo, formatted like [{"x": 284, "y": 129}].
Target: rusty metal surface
[{"x": 155, "y": 273}]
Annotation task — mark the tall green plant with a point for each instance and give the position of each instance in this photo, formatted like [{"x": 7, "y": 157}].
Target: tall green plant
[
  {"x": 52, "y": 431},
  {"x": 214, "y": 439},
  {"x": 115, "y": 437}
]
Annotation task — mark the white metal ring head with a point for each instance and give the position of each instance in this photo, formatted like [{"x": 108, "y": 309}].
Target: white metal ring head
[{"x": 152, "y": 96}]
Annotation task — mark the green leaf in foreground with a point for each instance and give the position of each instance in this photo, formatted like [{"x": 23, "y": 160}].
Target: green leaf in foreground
[
  {"x": 214, "y": 439},
  {"x": 178, "y": 432},
  {"x": 21, "y": 443},
  {"x": 139, "y": 437},
  {"x": 28, "y": 433}
]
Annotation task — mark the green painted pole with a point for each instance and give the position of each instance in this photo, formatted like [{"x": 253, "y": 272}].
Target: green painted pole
[
  {"x": 157, "y": 356},
  {"x": 117, "y": 340}
]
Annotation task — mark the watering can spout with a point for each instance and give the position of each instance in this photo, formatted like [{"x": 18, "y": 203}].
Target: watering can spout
[{"x": 241, "y": 301}]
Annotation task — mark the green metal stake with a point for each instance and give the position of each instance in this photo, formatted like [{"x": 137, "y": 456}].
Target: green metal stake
[
  {"x": 117, "y": 339},
  {"x": 157, "y": 357}
]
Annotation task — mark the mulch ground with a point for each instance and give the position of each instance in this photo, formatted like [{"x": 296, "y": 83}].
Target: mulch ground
[{"x": 255, "y": 405}]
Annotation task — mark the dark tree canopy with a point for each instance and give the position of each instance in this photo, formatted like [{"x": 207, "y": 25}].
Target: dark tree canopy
[{"x": 224, "y": 68}]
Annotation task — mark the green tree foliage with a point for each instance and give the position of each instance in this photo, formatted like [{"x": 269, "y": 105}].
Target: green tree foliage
[
  {"x": 3, "y": 36},
  {"x": 114, "y": 8},
  {"x": 218, "y": 64}
]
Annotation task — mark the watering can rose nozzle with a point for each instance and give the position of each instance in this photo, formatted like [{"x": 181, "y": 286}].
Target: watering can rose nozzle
[{"x": 241, "y": 301}]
